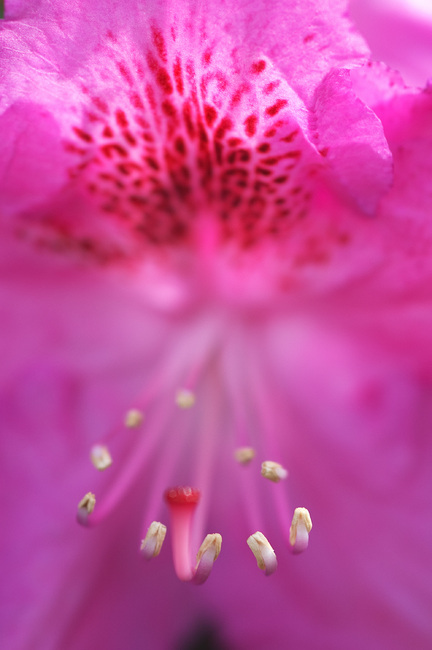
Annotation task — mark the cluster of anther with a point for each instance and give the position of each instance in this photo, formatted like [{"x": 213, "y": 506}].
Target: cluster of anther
[
  {"x": 186, "y": 137},
  {"x": 182, "y": 503}
]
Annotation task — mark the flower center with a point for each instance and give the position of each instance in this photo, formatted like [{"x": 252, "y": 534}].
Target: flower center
[
  {"x": 197, "y": 162},
  {"x": 174, "y": 433}
]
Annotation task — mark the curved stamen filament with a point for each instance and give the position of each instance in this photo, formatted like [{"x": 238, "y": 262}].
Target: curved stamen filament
[
  {"x": 269, "y": 426},
  {"x": 207, "y": 449},
  {"x": 130, "y": 469},
  {"x": 164, "y": 468}
]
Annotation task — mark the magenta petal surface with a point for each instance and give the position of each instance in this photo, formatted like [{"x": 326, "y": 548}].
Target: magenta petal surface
[
  {"x": 407, "y": 26},
  {"x": 225, "y": 198},
  {"x": 352, "y": 139}
]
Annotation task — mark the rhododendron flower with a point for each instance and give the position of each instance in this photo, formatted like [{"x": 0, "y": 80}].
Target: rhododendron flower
[{"x": 216, "y": 266}]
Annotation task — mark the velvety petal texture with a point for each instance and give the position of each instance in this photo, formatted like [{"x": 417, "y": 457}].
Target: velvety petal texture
[
  {"x": 225, "y": 197},
  {"x": 242, "y": 124}
]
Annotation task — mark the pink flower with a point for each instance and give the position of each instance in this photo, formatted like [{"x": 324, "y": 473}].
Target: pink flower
[{"x": 216, "y": 214}]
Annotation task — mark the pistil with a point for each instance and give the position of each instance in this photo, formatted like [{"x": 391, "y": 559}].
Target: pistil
[{"x": 182, "y": 502}]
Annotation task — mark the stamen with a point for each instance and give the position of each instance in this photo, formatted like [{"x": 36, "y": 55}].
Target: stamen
[
  {"x": 301, "y": 526},
  {"x": 206, "y": 556},
  {"x": 152, "y": 543},
  {"x": 100, "y": 457},
  {"x": 273, "y": 471},
  {"x": 244, "y": 455},
  {"x": 133, "y": 418},
  {"x": 86, "y": 507},
  {"x": 185, "y": 398},
  {"x": 264, "y": 553}
]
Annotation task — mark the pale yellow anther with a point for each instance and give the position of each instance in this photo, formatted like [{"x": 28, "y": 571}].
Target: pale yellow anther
[
  {"x": 133, "y": 418},
  {"x": 211, "y": 542},
  {"x": 244, "y": 455},
  {"x": 87, "y": 503},
  {"x": 185, "y": 398},
  {"x": 152, "y": 543},
  {"x": 301, "y": 519},
  {"x": 273, "y": 471},
  {"x": 100, "y": 457},
  {"x": 263, "y": 552}
]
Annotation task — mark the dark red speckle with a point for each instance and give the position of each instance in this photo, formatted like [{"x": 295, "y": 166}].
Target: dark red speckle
[
  {"x": 136, "y": 101},
  {"x": 236, "y": 98},
  {"x": 258, "y": 66},
  {"x": 187, "y": 117},
  {"x": 100, "y": 104},
  {"x": 180, "y": 146},
  {"x": 108, "y": 132},
  {"x": 125, "y": 73},
  {"x": 109, "y": 149},
  {"x": 251, "y": 125},
  {"x": 207, "y": 57},
  {"x": 218, "y": 148},
  {"x": 130, "y": 138},
  {"x": 159, "y": 43},
  {"x": 169, "y": 109},
  {"x": 164, "y": 81},
  {"x": 224, "y": 126},
  {"x": 263, "y": 171},
  {"x": 270, "y": 161},
  {"x": 276, "y": 107},
  {"x": 121, "y": 118},
  {"x": 271, "y": 87},
  {"x": 210, "y": 114},
  {"x": 293, "y": 154},
  {"x": 82, "y": 134},
  {"x": 290, "y": 137},
  {"x": 178, "y": 76},
  {"x": 151, "y": 162},
  {"x": 152, "y": 62}
]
